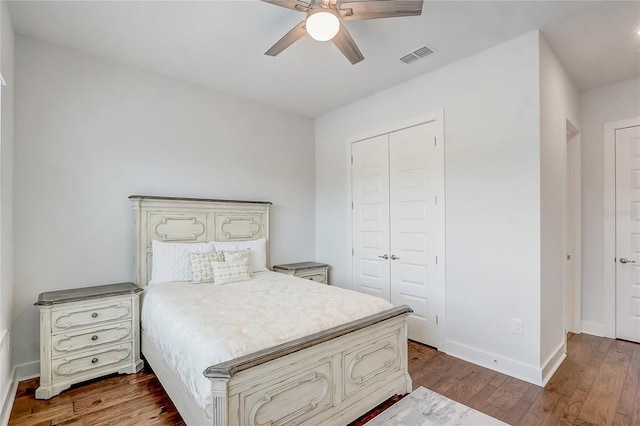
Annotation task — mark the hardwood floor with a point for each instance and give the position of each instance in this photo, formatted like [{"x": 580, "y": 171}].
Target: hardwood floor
[
  {"x": 136, "y": 399},
  {"x": 598, "y": 384}
]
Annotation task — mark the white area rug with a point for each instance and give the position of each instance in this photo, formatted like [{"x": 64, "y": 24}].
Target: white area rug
[{"x": 423, "y": 407}]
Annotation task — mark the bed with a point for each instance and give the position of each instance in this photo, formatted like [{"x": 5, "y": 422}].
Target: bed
[{"x": 331, "y": 376}]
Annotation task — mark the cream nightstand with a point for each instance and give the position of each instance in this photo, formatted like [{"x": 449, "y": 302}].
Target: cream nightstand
[
  {"x": 87, "y": 333},
  {"x": 318, "y": 272}
]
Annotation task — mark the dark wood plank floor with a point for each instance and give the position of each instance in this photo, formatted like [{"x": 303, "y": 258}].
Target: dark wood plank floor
[{"x": 598, "y": 384}]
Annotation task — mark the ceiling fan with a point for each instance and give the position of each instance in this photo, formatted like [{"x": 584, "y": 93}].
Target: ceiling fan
[{"x": 324, "y": 21}]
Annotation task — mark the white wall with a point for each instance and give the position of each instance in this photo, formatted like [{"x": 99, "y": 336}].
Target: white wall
[
  {"x": 492, "y": 133},
  {"x": 598, "y": 106},
  {"x": 558, "y": 99},
  {"x": 6, "y": 200},
  {"x": 90, "y": 132}
]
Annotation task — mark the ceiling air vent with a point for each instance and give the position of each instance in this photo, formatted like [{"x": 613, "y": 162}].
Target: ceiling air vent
[
  {"x": 407, "y": 59},
  {"x": 419, "y": 53}
]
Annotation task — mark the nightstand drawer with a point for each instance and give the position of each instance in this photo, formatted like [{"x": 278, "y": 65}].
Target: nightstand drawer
[
  {"x": 86, "y": 315},
  {"x": 317, "y": 276},
  {"x": 69, "y": 366},
  {"x": 66, "y": 343}
]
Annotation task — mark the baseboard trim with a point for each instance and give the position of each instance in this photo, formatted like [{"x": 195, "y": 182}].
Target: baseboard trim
[
  {"x": 7, "y": 379},
  {"x": 553, "y": 363},
  {"x": 508, "y": 366},
  {"x": 7, "y": 403},
  {"x": 593, "y": 328},
  {"x": 19, "y": 373}
]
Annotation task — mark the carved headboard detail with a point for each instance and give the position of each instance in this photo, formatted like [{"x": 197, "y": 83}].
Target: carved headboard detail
[{"x": 193, "y": 220}]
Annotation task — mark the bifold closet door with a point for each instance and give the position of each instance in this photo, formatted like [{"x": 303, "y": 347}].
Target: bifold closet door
[
  {"x": 398, "y": 223},
  {"x": 417, "y": 226},
  {"x": 370, "y": 196}
]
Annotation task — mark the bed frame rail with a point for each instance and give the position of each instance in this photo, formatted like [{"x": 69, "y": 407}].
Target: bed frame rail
[
  {"x": 331, "y": 377},
  {"x": 228, "y": 369}
]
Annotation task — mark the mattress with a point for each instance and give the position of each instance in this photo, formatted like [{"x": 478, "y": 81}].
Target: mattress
[{"x": 195, "y": 326}]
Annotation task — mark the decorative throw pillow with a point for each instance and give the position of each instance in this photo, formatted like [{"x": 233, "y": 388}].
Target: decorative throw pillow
[
  {"x": 171, "y": 260},
  {"x": 235, "y": 255},
  {"x": 230, "y": 272},
  {"x": 201, "y": 265},
  {"x": 258, "y": 251}
]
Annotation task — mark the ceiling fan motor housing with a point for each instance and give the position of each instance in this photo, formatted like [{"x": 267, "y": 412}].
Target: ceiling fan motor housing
[{"x": 323, "y": 22}]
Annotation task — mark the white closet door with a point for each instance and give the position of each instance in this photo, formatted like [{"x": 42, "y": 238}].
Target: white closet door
[
  {"x": 417, "y": 226},
  {"x": 370, "y": 196}
]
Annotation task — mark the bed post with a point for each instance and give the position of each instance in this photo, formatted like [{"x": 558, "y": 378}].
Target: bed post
[
  {"x": 404, "y": 354},
  {"x": 138, "y": 241},
  {"x": 220, "y": 406}
]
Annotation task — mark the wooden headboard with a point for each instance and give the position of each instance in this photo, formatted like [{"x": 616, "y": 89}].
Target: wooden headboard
[{"x": 193, "y": 220}]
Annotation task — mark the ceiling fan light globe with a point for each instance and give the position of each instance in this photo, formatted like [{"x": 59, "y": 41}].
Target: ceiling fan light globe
[{"x": 322, "y": 25}]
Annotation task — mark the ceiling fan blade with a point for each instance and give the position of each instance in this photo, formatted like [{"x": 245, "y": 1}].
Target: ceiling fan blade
[
  {"x": 290, "y": 4},
  {"x": 289, "y": 38},
  {"x": 375, "y": 9},
  {"x": 347, "y": 46}
]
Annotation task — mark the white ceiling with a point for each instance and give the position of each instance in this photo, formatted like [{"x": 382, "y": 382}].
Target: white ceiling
[{"x": 220, "y": 44}]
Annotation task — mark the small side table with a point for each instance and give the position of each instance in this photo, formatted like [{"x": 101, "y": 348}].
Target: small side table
[
  {"x": 87, "y": 333},
  {"x": 318, "y": 272}
]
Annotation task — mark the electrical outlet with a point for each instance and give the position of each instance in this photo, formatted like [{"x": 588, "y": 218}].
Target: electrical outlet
[{"x": 516, "y": 326}]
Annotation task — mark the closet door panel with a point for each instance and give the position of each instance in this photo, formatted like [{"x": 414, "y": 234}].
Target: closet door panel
[
  {"x": 412, "y": 201},
  {"x": 370, "y": 196}
]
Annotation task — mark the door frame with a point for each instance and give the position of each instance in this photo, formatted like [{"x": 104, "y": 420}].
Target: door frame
[
  {"x": 573, "y": 212},
  {"x": 437, "y": 115},
  {"x": 609, "y": 214}
]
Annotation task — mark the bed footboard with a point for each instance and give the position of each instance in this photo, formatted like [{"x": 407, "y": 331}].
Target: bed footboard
[{"x": 332, "y": 377}]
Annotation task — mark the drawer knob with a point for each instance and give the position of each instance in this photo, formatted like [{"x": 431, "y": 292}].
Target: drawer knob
[
  {"x": 94, "y": 337},
  {"x": 93, "y": 361},
  {"x": 94, "y": 315}
]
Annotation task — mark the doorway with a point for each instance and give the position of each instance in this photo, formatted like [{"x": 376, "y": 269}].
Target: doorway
[
  {"x": 622, "y": 230},
  {"x": 572, "y": 229},
  {"x": 628, "y": 233}
]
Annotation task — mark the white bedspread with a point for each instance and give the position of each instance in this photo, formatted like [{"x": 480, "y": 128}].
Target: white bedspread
[{"x": 198, "y": 325}]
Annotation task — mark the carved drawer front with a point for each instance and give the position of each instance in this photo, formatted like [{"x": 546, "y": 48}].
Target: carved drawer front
[
  {"x": 87, "y": 315},
  {"x": 293, "y": 400},
  {"x": 366, "y": 362},
  {"x": 65, "y": 343},
  {"x": 68, "y": 366},
  {"x": 314, "y": 275}
]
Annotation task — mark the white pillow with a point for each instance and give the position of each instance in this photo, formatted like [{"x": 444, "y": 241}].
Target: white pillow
[
  {"x": 171, "y": 260},
  {"x": 258, "y": 251},
  {"x": 230, "y": 272}
]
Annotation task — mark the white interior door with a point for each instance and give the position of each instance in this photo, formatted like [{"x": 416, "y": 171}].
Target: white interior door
[
  {"x": 415, "y": 184},
  {"x": 628, "y": 233},
  {"x": 370, "y": 196}
]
